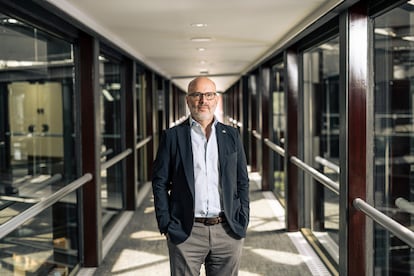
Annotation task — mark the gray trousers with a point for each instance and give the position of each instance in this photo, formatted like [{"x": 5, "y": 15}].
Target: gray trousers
[{"x": 214, "y": 246}]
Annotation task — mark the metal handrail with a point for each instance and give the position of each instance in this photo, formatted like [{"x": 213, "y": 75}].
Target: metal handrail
[
  {"x": 143, "y": 142},
  {"x": 405, "y": 205},
  {"x": 326, "y": 181},
  {"x": 399, "y": 230},
  {"x": 30, "y": 213},
  {"x": 115, "y": 159},
  {"x": 107, "y": 152},
  {"x": 276, "y": 148},
  {"x": 31, "y": 200},
  {"x": 256, "y": 134},
  {"x": 327, "y": 163}
]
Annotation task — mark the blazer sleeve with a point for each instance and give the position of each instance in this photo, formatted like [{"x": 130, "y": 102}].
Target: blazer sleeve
[
  {"x": 242, "y": 183},
  {"x": 161, "y": 182}
]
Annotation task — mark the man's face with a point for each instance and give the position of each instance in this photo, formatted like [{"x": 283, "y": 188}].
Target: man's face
[{"x": 201, "y": 106}]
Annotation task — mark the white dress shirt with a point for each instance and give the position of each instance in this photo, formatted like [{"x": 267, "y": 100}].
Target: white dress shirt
[{"x": 206, "y": 171}]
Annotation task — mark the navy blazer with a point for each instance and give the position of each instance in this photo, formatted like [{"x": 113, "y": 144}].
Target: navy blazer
[{"x": 173, "y": 181}]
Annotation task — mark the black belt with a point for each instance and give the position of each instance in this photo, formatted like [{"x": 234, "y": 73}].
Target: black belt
[{"x": 211, "y": 221}]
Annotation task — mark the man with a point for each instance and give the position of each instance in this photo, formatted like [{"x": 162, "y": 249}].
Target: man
[{"x": 201, "y": 189}]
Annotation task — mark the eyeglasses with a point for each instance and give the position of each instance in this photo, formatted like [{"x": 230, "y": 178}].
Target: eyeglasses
[{"x": 197, "y": 95}]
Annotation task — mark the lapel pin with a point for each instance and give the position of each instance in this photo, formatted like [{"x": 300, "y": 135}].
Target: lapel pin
[{"x": 224, "y": 131}]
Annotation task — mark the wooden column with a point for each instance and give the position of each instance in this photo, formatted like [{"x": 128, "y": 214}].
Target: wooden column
[
  {"x": 245, "y": 117},
  {"x": 130, "y": 135},
  {"x": 253, "y": 122},
  {"x": 358, "y": 80},
  {"x": 267, "y": 153},
  {"x": 291, "y": 171},
  {"x": 149, "y": 120},
  {"x": 90, "y": 149}
]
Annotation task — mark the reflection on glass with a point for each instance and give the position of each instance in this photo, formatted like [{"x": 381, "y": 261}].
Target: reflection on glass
[
  {"x": 279, "y": 127},
  {"x": 45, "y": 245},
  {"x": 321, "y": 140},
  {"x": 110, "y": 125},
  {"x": 393, "y": 136},
  {"x": 37, "y": 154}
]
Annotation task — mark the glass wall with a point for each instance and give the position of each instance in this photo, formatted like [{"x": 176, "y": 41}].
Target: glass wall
[
  {"x": 393, "y": 188},
  {"x": 140, "y": 89},
  {"x": 255, "y": 150},
  {"x": 321, "y": 140},
  {"x": 37, "y": 149},
  {"x": 279, "y": 128},
  {"x": 112, "y": 184}
]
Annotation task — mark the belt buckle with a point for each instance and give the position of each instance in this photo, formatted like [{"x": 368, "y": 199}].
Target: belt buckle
[{"x": 211, "y": 221}]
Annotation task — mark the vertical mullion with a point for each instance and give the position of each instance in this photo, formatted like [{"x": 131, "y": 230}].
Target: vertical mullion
[
  {"x": 149, "y": 120},
  {"x": 130, "y": 135},
  {"x": 358, "y": 81},
  {"x": 267, "y": 164},
  {"x": 89, "y": 114},
  {"x": 291, "y": 148}
]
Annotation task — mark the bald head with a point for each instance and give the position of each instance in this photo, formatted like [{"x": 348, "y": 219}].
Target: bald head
[
  {"x": 201, "y": 108},
  {"x": 200, "y": 81}
]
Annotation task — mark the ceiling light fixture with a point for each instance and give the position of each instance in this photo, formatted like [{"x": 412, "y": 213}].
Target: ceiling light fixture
[
  {"x": 198, "y": 25},
  {"x": 204, "y": 71},
  {"x": 201, "y": 49},
  {"x": 201, "y": 39}
]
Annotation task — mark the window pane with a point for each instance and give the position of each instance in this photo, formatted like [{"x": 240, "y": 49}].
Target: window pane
[
  {"x": 141, "y": 125},
  {"x": 279, "y": 127},
  {"x": 111, "y": 145},
  {"x": 37, "y": 155},
  {"x": 393, "y": 136},
  {"x": 321, "y": 140}
]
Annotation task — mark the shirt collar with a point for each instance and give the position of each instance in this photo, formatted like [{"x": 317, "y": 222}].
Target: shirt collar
[{"x": 195, "y": 123}]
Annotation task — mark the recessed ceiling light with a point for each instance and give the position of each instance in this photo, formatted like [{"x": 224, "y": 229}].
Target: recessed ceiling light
[
  {"x": 201, "y": 49},
  {"x": 203, "y": 62},
  {"x": 204, "y": 71},
  {"x": 201, "y": 39},
  {"x": 198, "y": 25}
]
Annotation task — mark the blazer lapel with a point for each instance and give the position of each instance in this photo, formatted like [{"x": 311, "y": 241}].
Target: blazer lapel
[{"x": 184, "y": 145}]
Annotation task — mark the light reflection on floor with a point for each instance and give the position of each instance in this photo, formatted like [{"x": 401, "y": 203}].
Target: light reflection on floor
[
  {"x": 280, "y": 257},
  {"x": 147, "y": 235},
  {"x": 135, "y": 262}
]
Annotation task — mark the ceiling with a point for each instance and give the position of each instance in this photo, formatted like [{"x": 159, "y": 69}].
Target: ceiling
[{"x": 236, "y": 35}]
